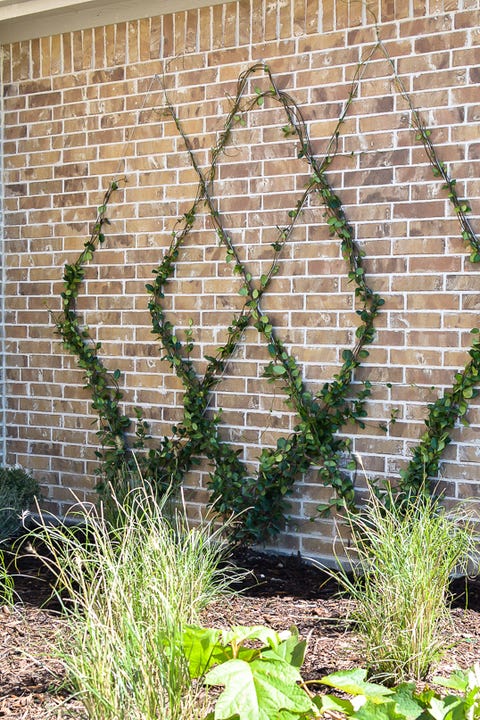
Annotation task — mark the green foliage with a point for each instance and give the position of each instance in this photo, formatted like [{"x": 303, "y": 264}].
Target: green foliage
[
  {"x": 402, "y": 556},
  {"x": 404, "y": 702},
  {"x": 467, "y": 684},
  {"x": 17, "y": 492},
  {"x": 259, "y": 670},
  {"x": 260, "y": 682},
  {"x": 441, "y": 419},
  {"x": 102, "y": 384},
  {"x": 453, "y": 405},
  {"x": 319, "y": 438},
  {"x": 262, "y": 499}
]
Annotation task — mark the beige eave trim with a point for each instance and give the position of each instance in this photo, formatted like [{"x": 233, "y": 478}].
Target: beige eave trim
[{"x": 27, "y": 19}]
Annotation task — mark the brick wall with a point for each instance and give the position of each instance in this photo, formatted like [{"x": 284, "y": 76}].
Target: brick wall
[{"x": 87, "y": 106}]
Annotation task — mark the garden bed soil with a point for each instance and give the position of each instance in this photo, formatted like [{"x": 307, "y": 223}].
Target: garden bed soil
[{"x": 281, "y": 592}]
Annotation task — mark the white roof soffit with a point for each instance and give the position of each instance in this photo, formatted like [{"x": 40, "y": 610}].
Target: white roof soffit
[{"x": 27, "y": 19}]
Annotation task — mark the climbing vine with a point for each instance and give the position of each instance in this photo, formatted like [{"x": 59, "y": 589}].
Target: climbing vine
[
  {"x": 103, "y": 385},
  {"x": 261, "y": 498},
  {"x": 445, "y": 412}
]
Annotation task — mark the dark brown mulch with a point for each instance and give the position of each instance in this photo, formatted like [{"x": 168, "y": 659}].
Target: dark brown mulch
[{"x": 282, "y": 592}]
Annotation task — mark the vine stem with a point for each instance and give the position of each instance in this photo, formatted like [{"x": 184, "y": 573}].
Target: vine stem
[{"x": 461, "y": 208}]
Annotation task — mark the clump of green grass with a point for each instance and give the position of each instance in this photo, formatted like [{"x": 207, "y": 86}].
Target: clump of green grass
[
  {"x": 128, "y": 590},
  {"x": 402, "y": 559}
]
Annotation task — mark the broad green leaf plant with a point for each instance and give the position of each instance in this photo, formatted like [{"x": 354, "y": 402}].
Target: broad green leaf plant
[
  {"x": 260, "y": 682},
  {"x": 263, "y": 682},
  {"x": 404, "y": 702}
]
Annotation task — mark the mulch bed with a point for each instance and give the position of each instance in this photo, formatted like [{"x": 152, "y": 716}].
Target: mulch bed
[{"x": 282, "y": 591}]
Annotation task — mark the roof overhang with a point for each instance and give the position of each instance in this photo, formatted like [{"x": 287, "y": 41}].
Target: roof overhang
[{"x": 27, "y": 19}]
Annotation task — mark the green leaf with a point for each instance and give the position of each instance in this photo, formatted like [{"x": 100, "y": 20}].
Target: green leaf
[
  {"x": 441, "y": 708},
  {"x": 258, "y": 690},
  {"x": 332, "y": 704},
  {"x": 202, "y": 649},
  {"x": 405, "y": 704},
  {"x": 353, "y": 682},
  {"x": 278, "y": 370},
  {"x": 239, "y": 633},
  {"x": 292, "y": 649},
  {"x": 373, "y": 711},
  {"x": 458, "y": 680}
]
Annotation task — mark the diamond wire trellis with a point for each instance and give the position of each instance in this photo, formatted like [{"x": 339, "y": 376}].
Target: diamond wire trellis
[
  {"x": 320, "y": 416},
  {"x": 313, "y": 439}
]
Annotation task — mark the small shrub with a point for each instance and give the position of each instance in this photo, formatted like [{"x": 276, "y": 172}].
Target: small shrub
[
  {"x": 17, "y": 492},
  {"x": 403, "y": 558}
]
